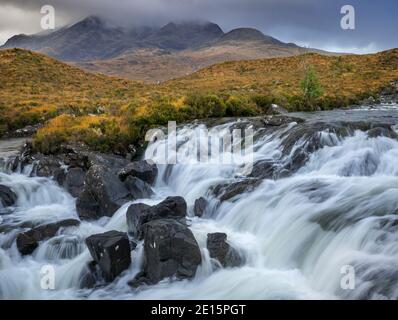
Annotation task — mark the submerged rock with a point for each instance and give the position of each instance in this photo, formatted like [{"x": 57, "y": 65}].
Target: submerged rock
[
  {"x": 28, "y": 241},
  {"x": 141, "y": 169},
  {"x": 7, "y": 196},
  {"x": 200, "y": 207},
  {"x": 111, "y": 251},
  {"x": 229, "y": 191},
  {"x": 170, "y": 249},
  {"x": 382, "y": 132},
  {"x": 219, "y": 249},
  {"x": 103, "y": 194}
]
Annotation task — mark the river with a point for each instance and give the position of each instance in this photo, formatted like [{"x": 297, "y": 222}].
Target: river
[{"x": 297, "y": 234}]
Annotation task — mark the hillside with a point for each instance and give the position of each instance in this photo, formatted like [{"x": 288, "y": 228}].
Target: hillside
[
  {"x": 34, "y": 88},
  {"x": 109, "y": 113},
  {"x": 342, "y": 77}
]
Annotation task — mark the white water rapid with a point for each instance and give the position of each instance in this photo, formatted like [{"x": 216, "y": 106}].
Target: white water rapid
[{"x": 296, "y": 233}]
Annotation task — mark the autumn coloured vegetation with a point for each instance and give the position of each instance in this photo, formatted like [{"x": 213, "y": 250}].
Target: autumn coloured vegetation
[{"x": 109, "y": 113}]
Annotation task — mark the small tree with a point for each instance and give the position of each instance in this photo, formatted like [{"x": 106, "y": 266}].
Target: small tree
[{"x": 311, "y": 86}]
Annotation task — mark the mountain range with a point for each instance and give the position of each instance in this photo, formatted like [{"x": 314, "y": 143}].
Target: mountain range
[{"x": 152, "y": 54}]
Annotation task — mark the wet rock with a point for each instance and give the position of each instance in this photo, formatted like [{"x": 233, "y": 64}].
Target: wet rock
[
  {"x": 111, "y": 250},
  {"x": 138, "y": 189},
  {"x": 170, "y": 249},
  {"x": 171, "y": 207},
  {"x": 219, "y": 249},
  {"x": 64, "y": 247},
  {"x": 28, "y": 241},
  {"x": 200, "y": 207},
  {"x": 47, "y": 166},
  {"x": 141, "y": 169},
  {"x": 74, "y": 181},
  {"x": 229, "y": 191},
  {"x": 280, "y": 120},
  {"x": 7, "y": 196},
  {"x": 264, "y": 169},
  {"x": 139, "y": 214},
  {"x": 89, "y": 276},
  {"x": 382, "y": 132},
  {"x": 103, "y": 194},
  {"x": 139, "y": 280}
]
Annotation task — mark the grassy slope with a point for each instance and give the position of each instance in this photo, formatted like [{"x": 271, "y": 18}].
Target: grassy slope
[
  {"x": 348, "y": 76},
  {"x": 34, "y": 87},
  {"x": 107, "y": 112}
]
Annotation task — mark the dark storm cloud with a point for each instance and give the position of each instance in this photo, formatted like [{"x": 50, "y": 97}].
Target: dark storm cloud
[{"x": 315, "y": 23}]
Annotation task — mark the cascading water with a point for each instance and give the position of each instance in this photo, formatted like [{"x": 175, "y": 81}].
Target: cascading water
[{"x": 296, "y": 233}]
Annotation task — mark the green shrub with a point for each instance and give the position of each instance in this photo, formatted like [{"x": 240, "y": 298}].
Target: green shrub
[{"x": 240, "y": 107}]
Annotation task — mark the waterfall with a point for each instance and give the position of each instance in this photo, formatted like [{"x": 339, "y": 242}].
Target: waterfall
[{"x": 297, "y": 233}]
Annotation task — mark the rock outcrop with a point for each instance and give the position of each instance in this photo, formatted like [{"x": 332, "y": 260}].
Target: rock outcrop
[
  {"x": 111, "y": 251},
  {"x": 220, "y": 250},
  {"x": 28, "y": 241}
]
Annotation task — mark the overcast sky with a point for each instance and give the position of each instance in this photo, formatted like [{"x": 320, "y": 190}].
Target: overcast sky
[{"x": 314, "y": 23}]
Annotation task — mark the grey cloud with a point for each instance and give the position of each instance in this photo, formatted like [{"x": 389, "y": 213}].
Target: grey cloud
[{"x": 312, "y": 22}]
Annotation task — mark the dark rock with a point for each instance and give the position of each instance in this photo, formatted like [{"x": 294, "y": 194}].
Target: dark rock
[
  {"x": 47, "y": 166},
  {"x": 228, "y": 191},
  {"x": 170, "y": 249},
  {"x": 200, "y": 207},
  {"x": 264, "y": 169},
  {"x": 172, "y": 207},
  {"x": 382, "y": 132},
  {"x": 28, "y": 241},
  {"x": 103, "y": 194},
  {"x": 89, "y": 276},
  {"x": 60, "y": 176},
  {"x": 111, "y": 250},
  {"x": 138, "y": 189},
  {"x": 219, "y": 249},
  {"x": 139, "y": 280},
  {"x": 7, "y": 196},
  {"x": 279, "y": 120},
  {"x": 141, "y": 169},
  {"x": 139, "y": 214},
  {"x": 74, "y": 181}
]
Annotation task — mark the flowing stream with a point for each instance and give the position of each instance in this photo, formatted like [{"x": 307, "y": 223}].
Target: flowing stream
[{"x": 297, "y": 233}]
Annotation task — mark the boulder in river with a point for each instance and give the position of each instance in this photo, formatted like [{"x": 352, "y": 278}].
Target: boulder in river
[
  {"x": 138, "y": 189},
  {"x": 170, "y": 250},
  {"x": 111, "y": 251},
  {"x": 74, "y": 181},
  {"x": 220, "y": 249},
  {"x": 139, "y": 214},
  {"x": 229, "y": 191},
  {"x": 7, "y": 196},
  {"x": 143, "y": 170},
  {"x": 200, "y": 207},
  {"x": 103, "y": 194},
  {"x": 28, "y": 241}
]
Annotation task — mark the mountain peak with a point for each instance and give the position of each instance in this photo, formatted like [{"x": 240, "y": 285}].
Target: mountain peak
[{"x": 244, "y": 34}]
